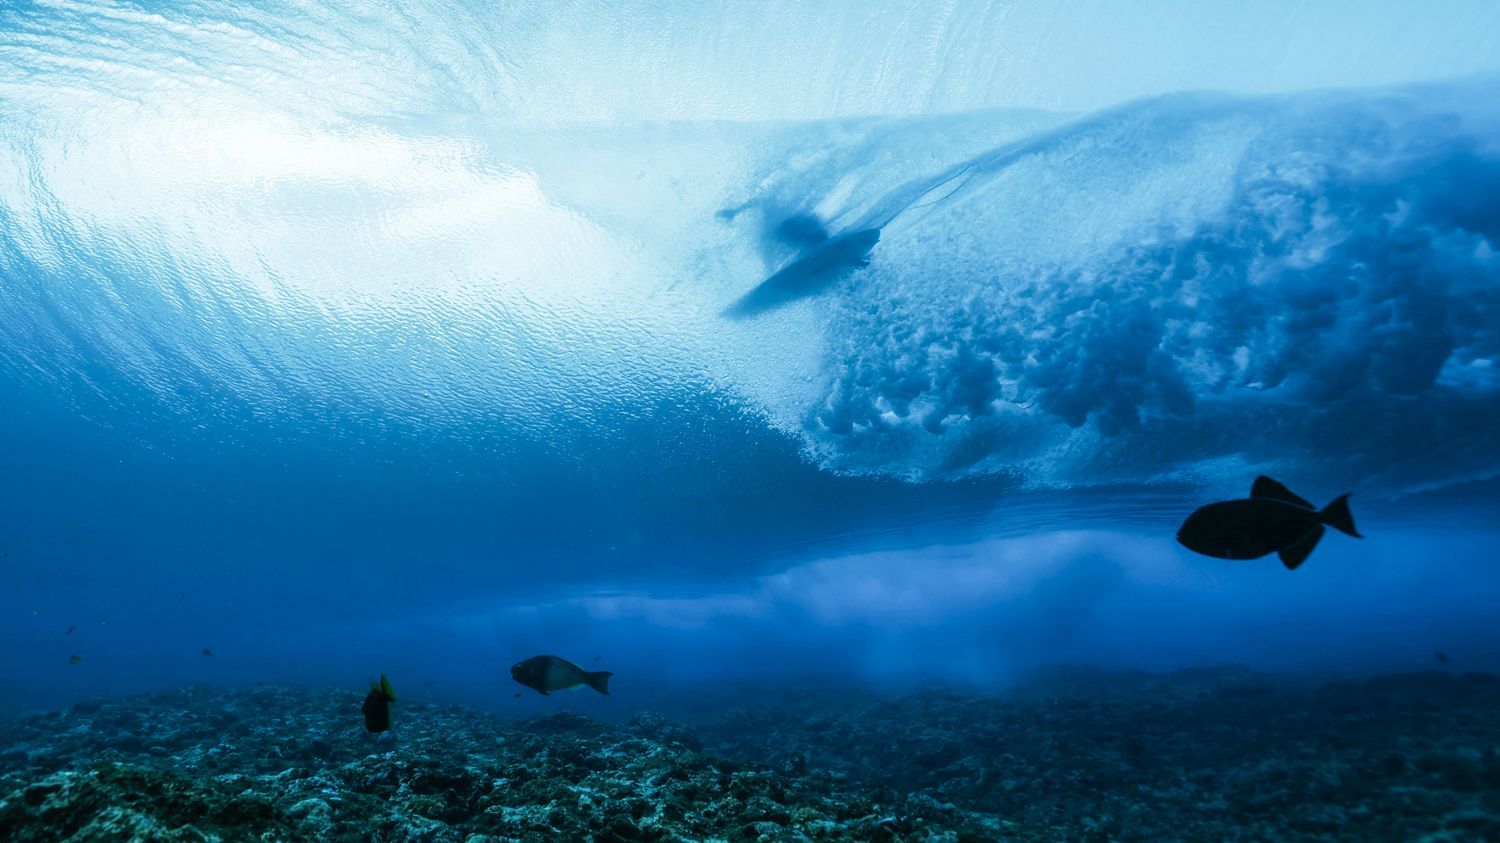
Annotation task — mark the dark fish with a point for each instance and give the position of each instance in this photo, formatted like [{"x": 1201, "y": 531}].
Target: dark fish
[
  {"x": 70, "y": 629},
  {"x": 1271, "y": 519},
  {"x": 75, "y": 659},
  {"x": 1441, "y": 656},
  {"x": 377, "y": 707},
  {"x": 518, "y": 695},
  {"x": 207, "y": 652},
  {"x": 550, "y": 673}
]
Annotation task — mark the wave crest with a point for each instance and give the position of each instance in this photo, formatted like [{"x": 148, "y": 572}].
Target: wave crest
[{"x": 1309, "y": 282}]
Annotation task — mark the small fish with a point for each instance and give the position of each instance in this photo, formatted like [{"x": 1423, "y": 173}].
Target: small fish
[
  {"x": 377, "y": 707},
  {"x": 75, "y": 659},
  {"x": 70, "y": 629},
  {"x": 1271, "y": 519},
  {"x": 207, "y": 652},
  {"x": 518, "y": 695},
  {"x": 1441, "y": 656},
  {"x": 546, "y": 674},
  {"x": 596, "y": 659}
]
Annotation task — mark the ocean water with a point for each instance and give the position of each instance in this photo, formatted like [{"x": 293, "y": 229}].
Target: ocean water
[{"x": 837, "y": 375}]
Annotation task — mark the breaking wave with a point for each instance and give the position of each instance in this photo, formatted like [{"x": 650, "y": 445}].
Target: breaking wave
[
  {"x": 289, "y": 231},
  {"x": 1306, "y": 284}
]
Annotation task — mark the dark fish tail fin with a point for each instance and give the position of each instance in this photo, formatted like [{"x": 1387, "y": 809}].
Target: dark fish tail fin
[
  {"x": 1297, "y": 552},
  {"x": 1337, "y": 516},
  {"x": 598, "y": 680}
]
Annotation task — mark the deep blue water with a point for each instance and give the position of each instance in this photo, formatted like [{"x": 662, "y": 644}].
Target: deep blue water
[{"x": 346, "y": 337}]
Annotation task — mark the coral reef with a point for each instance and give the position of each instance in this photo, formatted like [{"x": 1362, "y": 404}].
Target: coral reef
[
  {"x": 287, "y": 764},
  {"x": 1211, "y": 755}
]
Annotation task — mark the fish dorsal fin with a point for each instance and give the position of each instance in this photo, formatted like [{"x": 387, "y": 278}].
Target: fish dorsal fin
[
  {"x": 1265, "y": 487},
  {"x": 385, "y": 688},
  {"x": 1297, "y": 552}
]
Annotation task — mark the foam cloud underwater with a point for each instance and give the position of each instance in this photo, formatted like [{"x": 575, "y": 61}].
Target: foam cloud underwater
[
  {"x": 1308, "y": 284},
  {"x": 980, "y": 613}
]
